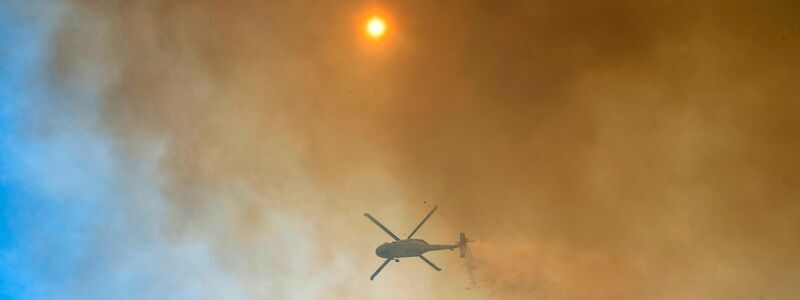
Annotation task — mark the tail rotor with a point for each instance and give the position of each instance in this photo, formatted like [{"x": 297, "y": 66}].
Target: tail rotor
[{"x": 462, "y": 244}]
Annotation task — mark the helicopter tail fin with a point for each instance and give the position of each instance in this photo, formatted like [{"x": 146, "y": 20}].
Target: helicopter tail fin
[{"x": 462, "y": 244}]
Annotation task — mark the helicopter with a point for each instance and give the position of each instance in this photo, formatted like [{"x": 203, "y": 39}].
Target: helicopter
[{"x": 409, "y": 247}]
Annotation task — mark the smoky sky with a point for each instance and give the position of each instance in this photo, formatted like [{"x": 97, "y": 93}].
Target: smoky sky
[{"x": 594, "y": 150}]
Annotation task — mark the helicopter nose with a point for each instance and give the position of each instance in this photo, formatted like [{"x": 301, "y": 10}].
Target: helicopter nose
[{"x": 381, "y": 251}]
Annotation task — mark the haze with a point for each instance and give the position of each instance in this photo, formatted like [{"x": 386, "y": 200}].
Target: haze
[{"x": 228, "y": 149}]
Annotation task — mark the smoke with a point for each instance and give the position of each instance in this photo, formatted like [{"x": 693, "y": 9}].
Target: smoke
[{"x": 620, "y": 150}]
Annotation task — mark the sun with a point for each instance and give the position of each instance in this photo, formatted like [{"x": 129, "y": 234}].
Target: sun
[{"x": 375, "y": 27}]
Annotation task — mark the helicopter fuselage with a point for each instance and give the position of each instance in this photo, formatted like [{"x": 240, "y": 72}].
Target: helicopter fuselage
[{"x": 408, "y": 248}]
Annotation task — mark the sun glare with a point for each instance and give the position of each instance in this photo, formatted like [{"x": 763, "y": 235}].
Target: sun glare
[{"x": 375, "y": 27}]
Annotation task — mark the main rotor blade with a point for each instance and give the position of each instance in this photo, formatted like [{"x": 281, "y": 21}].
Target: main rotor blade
[
  {"x": 423, "y": 222},
  {"x": 430, "y": 263},
  {"x": 382, "y": 227},
  {"x": 380, "y": 268}
]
